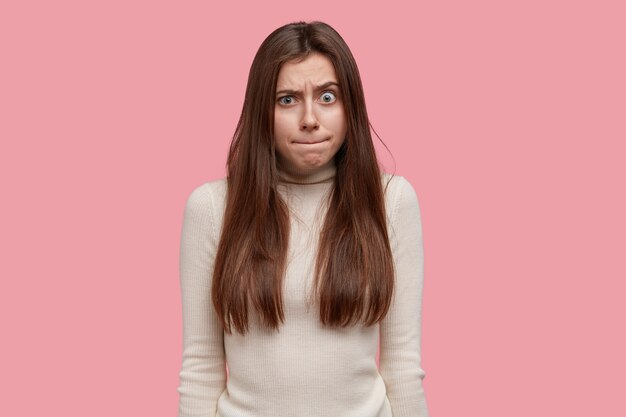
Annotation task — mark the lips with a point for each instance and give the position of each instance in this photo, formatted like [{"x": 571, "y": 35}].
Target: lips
[{"x": 310, "y": 142}]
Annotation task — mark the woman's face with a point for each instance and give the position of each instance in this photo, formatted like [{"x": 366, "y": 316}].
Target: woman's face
[{"x": 309, "y": 119}]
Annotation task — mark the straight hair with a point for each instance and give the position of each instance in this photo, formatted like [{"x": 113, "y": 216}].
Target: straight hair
[{"x": 354, "y": 271}]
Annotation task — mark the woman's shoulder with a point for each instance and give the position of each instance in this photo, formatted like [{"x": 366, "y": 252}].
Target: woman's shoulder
[
  {"x": 399, "y": 193},
  {"x": 394, "y": 184},
  {"x": 212, "y": 188},
  {"x": 208, "y": 196}
]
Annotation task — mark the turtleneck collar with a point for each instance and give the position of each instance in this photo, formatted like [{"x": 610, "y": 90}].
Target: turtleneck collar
[{"x": 296, "y": 176}]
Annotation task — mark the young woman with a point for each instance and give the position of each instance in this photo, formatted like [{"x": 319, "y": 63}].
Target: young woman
[{"x": 296, "y": 264}]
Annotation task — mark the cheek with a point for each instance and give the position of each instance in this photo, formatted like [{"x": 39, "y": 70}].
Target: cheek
[
  {"x": 281, "y": 124},
  {"x": 337, "y": 122}
]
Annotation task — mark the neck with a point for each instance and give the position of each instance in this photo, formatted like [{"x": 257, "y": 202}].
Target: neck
[{"x": 296, "y": 175}]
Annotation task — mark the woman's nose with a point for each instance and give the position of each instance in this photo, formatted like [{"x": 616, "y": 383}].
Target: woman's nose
[{"x": 309, "y": 120}]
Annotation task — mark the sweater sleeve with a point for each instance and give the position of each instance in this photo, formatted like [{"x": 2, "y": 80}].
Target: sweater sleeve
[
  {"x": 400, "y": 331},
  {"x": 203, "y": 372}
]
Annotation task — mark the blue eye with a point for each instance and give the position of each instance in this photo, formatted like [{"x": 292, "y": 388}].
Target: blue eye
[
  {"x": 282, "y": 102},
  {"x": 331, "y": 93}
]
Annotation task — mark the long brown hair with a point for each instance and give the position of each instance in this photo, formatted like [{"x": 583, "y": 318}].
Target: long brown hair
[{"x": 354, "y": 272}]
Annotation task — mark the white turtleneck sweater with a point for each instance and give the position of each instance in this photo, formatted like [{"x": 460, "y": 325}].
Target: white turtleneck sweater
[{"x": 305, "y": 369}]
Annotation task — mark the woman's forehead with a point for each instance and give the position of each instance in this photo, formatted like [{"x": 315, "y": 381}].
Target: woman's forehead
[{"x": 315, "y": 71}]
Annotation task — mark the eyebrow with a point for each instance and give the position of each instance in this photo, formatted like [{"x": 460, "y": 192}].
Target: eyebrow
[{"x": 317, "y": 88}]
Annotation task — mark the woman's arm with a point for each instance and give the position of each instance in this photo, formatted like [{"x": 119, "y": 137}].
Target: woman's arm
[
  {"x": 400, "y": 331},
  {"x": 203, "y": 372}
]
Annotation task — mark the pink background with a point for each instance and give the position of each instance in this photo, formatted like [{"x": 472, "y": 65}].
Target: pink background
[{"x": 507, "y": 117}]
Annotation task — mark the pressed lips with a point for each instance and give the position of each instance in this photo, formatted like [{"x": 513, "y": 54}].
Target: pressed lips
[{"x": 310, "y": 142}]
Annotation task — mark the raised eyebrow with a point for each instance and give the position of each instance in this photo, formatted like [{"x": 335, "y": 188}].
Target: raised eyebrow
[{"x": 317, "y": 88}]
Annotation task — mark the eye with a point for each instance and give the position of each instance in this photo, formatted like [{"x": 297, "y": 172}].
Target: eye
[
  {"x": 280, "y": 100},
  {"x": 326, "y": 94}
]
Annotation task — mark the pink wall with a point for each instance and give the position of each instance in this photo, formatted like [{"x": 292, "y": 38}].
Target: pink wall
[{"x": 508, "y": 119}]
